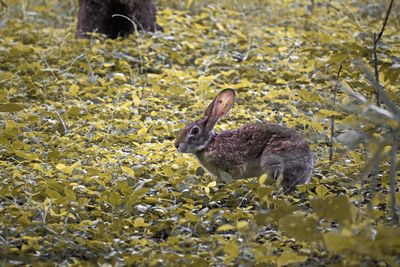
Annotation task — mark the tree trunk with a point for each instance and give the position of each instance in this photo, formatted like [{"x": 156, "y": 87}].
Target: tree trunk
[{"x": 97, "y": 16}]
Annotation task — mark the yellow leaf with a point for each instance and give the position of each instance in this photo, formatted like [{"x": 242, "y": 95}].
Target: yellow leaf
[
  {"x": 74, "y": 89},
  {"x": 262, "y": 179},
  {"x": 228, "y": 73},
  {"x": 10, "y": 124},
  {"x": 135, "y": 99},
  {"x": 225, "y": 227},
  {"x": 288, "y": 257},
  {"x": 128, "y": 171},
  {"x": 120, "y": 77},
  {"x": 175, "y": 166},
  {"x": 280, "y": 81},
  {"x": 327, "y": 112},
  {"x": 212, "y": 184},
  {"x": 114, "y": 198},
  {"x": 11, "y": 107},
  {"x": 64, "y": 168},
  {"x": 321, "y": 190},
  {"x": 242, "y": 225},
  {"x": 142, "y": 131},
  {"x": 5, "y": 76},
  {"x": 139, "y": 222},
  {"x": 316, "y": 125},
  {"x": 53, "y": 194},
  {"x": 191, "y": 217},
  {"x": 220, "y": 27},
  {"x": 69, "y": 194},
  {"x": 76, "y": 164},
  {"x": 243, "y": 84},
  {"x": 231, "y": 252},
  {"x": 38, "y": 167},
  {"x": 310, "y": 97},
  {"x": 108, "y": 65}
]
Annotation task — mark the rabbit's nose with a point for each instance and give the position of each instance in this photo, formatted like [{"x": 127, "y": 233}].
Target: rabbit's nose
[{"x": 177, "y": 146}]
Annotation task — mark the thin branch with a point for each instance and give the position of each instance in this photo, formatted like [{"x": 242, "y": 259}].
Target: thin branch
[
  {"x": 62, "y": 123},
  {"x": 75, "y": 59},
  {"x": 377, "y": 38},
  {"x": 333, "y": 117},
  {"x": 393, "y": 178},
  {"x": 385, "y": 21},
  {"x": 377, "y": 94},
  {"x": 243, "y": 198},
  {"x": 374, "y": 180}
]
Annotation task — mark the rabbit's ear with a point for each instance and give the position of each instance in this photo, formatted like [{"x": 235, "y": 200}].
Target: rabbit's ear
[{"x": 218, "y": 108}]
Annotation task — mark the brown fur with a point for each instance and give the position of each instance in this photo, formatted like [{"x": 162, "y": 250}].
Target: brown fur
[
  {"x": 256, "y": 149},
  {"x": 251, "y": 150}
]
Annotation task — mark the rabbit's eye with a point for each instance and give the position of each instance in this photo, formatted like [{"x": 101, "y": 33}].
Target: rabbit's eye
[{"x": 195, "y": 130}]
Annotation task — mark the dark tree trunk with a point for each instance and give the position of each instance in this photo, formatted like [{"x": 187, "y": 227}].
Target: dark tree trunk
[{"x": 96, "y": 16}]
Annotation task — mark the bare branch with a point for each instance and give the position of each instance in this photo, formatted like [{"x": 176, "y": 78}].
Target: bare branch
[
  {"x": 393, "y": 178},
  {"x": 377, "y": 38},
  {"x": 332, "y": 117},
  {"x": 62, "y": 123},
  {"x": 385, "y": 21},
  {"x": 377, "y": 94}
]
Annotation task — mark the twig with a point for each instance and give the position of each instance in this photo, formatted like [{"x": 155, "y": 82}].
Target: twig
[
  {"x": 377, "y": 38},
  {"x": 385, "y": 20},
  {"x": 311, "y": 6},
  {"x": 62, "y": 122},
  {"x": 76, "y": 59},
  {"x": 393, "y": 178},
  {"x": 374, "y": 180},
  {"x": 243, "y": 198},
  {"x": 333, "y": 117},
  {"x": 377, "y": 95}
]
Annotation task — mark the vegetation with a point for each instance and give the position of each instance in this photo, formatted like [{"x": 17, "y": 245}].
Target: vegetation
[{"x": 89, "y": 173}]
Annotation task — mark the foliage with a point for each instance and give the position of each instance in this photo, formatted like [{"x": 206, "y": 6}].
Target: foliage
[{"x": 109, "y": 187}]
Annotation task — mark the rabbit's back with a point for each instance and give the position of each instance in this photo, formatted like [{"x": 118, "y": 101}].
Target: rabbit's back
[{"x": 241, "y": 153}]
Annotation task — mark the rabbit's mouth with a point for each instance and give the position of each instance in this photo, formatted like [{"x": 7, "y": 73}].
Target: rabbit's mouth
[
  {"x": 186, "y": 148},
  {"x": 181, "y": 147}
]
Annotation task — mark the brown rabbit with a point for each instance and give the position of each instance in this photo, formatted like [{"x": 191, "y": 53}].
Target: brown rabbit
[{"x": 250, "y": 151}]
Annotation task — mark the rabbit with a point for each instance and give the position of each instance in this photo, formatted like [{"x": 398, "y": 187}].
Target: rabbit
[{"x": 250, "y": 151}]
